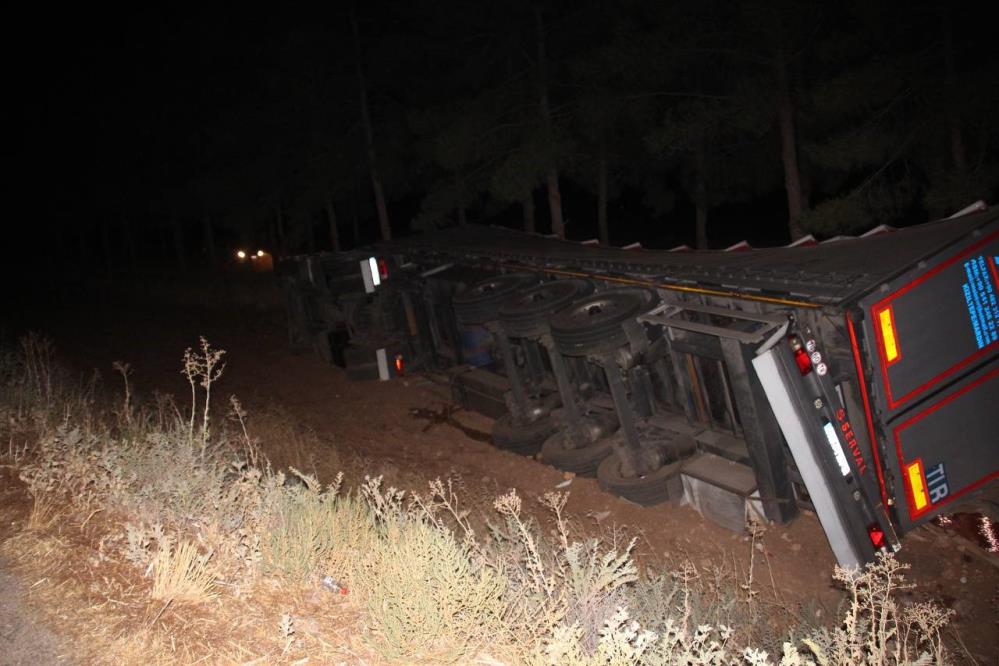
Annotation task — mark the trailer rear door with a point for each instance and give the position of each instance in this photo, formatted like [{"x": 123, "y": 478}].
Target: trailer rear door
[{"x": 931, "y": 338}]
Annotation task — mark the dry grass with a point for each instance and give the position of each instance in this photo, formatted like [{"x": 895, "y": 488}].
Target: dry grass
[
  {"x": 181, "y": 573},
  {"x": 167, "y": 540},
  {"x": 44, "y": 513}
]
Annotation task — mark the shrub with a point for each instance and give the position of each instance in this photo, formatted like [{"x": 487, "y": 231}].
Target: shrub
[
  {"x": 305, "y": 526},
  {"x": 429, "y": 598},
  {"x": 181, "y": 573},
  {"x": 430, "y": 588}
]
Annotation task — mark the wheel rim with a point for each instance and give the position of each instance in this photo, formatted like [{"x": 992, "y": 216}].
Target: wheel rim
[
  {"x": 599, "y": 310},
  {"x": 492, "y": 288},
  {"x": 477, "y": 304},
  {"x": 598, "y": 320},
  {"x": 532, "y": 307}
]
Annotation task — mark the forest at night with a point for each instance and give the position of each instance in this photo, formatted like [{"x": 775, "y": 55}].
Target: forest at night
[{"x": 168, "y": 139}]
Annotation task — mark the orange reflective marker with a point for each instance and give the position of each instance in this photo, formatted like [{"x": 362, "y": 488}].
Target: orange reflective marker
[
  {"x": 888, "y": 339},
  {"x": 917, "y": 484}
]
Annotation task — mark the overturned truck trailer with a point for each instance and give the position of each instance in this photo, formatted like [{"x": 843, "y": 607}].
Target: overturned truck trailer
[{"x": 857, "y": 377}]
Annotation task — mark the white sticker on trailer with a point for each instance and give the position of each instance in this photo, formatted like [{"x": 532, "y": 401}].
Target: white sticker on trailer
[
  {"x": 837, "y": 448},
  {"x": 368, "y": 276},
  {"x": 383, "y": 368}
]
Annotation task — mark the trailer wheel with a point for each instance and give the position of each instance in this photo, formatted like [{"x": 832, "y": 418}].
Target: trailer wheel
[
  {"x": 479, "y": 303},
  {"x": 596, "y": 323},
  {"x": 655, "y": 487},
  {"x": 582, "y": 461},
  {"x": 524, "y": 438},
  {"x": 526, "y": 314}
]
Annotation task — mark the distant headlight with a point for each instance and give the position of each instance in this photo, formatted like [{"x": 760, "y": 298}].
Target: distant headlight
[
  {"x": 241, "y": 254},
  {"x": 260, "y": 253}
]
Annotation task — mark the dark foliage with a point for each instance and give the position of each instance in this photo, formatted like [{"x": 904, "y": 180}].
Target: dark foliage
[{"x": 161, "y": 137}]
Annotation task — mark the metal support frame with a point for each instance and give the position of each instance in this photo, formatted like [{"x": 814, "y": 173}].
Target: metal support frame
[
  {"x": 629, "y": 450},
  {"x": 731, "y": 347},
  {"x": 641, "y": 391},
  {"x": 520, "y": 401},
  {"x": 729, "y": 405},
  {"x": 761, "y": 432},
  {"x": 661, "y": 370},
  {"x": 689, "y": 399},
  {"x": 564, "y": 383},
  {"x": 534, "y": 363},
  {"x": 667, "y": 315},
  {"x": 703, "y": 394}
]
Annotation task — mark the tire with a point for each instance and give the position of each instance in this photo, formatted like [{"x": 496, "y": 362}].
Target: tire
[
  {"x": 479, "y": 303},
  {"x": 582, "y": 461},
  {"x": 526, "y": 438},
  {"x": 653, "y": 488},
  {"x": 596, "y": 323},
  {"x": 526, "y": 314}
]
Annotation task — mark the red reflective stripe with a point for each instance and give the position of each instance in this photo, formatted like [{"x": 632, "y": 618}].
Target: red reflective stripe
[
  {"x": 995, "y": 273},
  {"x": 936, "y": 269},
  {"x": 880, "y": 305},
  {"x": 926, "y": 412},
  {"x": 867, "y": 409},
  {"x": 949, "y": 371}
]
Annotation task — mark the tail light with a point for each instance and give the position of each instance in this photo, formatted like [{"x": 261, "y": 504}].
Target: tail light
[
  {"x": 801, "y": 357},
  {"x": 877, "y": 535},
  {"x": 400, "y": 367},
  {"x": 383, "y": 271}
]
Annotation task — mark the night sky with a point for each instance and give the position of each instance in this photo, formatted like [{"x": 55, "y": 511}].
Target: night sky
[{"x": 134, "y": 129}]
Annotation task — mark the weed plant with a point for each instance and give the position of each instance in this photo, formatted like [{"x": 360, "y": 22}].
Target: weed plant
[{"x": 200, "y": 515}]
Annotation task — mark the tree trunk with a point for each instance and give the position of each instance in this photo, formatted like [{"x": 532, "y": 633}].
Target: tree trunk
[
  {"x": 334, "y": 230},
  {"x": 789, "y": 149},
  {"x": 369, "y": 139},
  {"x": 554, "y": 194},
  {"x": 528, "y": 205},
  {"x": 701, "y": 193},
  {"x": 178, "y": 244},
  {"x": 602, "y": 230},
  {"x": 209, "y": 232},
  {"x": 957, "y": 152},
  {"x": 355, "y": 220}
]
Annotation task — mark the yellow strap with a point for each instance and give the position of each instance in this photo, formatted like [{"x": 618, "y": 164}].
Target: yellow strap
[{"x": 673, "y": 287}]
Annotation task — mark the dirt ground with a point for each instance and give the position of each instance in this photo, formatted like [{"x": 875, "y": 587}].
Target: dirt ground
[
  {"x": 23, "y": 640},
  {"x": 386, "y": 426}
]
